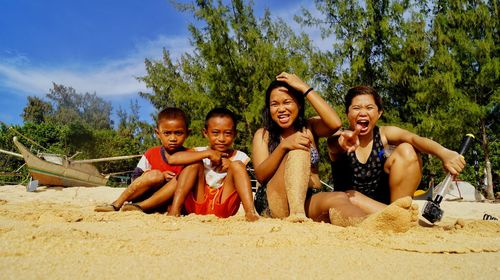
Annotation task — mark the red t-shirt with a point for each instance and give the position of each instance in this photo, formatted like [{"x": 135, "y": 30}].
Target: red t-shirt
[{"x": 154, "y": 159}]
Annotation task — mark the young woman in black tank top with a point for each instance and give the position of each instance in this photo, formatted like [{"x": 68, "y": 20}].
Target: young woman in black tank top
[{"x": 362, "y": 167}]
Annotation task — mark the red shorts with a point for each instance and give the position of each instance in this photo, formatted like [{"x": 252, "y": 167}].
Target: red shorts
[{"x": 212, "y": 203}]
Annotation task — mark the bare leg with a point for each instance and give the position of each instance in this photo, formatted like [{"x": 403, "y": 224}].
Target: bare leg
[
  {"x": 404, "y": 167},
  {"x": 160, "y": 197},
  {"x": 276, "y": 193},
  {"x": 365, "y": 203},
  {"x": 237, "y": 170},
  {"x": 297, "y": 173},
  {"x": 191, "y": 176},
  {"x": 319, "y": 205},
  {"x": 399, "y": 216},
  {"x": 139, "y": 186}
]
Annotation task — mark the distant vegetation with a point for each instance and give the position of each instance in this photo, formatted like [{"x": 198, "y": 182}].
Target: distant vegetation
[{"x": 436, "y": 64}]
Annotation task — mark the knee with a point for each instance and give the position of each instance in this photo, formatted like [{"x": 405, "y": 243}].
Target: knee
[
  {"x": 238, "y": 169},
  {"x": 237, "y": 166},
  {"x": 194, "y": 167},
  {"x": 352, "y": 195},
  {"x": 338, "y": 197},
  {"x": 153, "y": 175},
  {"x": 406, "y": 153}
]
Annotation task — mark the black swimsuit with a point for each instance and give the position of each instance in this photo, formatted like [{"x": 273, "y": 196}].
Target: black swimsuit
[{"x": 367, "y": 178}]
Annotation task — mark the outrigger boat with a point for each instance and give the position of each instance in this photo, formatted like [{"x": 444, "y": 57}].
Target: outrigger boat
[{"x": 57, "y": 170}]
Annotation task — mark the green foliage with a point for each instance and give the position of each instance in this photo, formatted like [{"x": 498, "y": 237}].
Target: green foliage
[
  {"x": 235, "y": 58},
  {"x": 435, "y": 63},
  {"x": 71, "y": 107},
  {"x": 437, "y": 70}
]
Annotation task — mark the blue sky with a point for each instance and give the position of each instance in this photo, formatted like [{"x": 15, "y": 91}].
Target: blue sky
[{"x": 93, "y": 46}]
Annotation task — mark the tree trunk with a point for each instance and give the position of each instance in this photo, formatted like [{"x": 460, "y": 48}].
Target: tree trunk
[{"x": 489, "y": 178}]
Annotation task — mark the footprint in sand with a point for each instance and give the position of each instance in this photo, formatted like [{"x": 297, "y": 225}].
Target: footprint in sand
[{"x": 399, "y": 216}]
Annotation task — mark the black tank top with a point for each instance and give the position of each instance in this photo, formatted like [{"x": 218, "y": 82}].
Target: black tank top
[{"x": 369, "y": 178}]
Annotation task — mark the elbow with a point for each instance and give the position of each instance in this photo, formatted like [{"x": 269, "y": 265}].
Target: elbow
[{"x": 260, "y": 176}]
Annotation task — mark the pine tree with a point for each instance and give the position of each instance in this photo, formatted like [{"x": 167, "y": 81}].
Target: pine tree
[{"x": 235, "y": 58}]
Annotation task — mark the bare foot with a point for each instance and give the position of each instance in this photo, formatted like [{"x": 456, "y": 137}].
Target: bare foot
[
  {"x": 297, "y": 218},
  {"x": 174, "y": 213},
  {"x": 106, "y": 208},
  {"x": 337, "y": 219},
  {"x": 132, "y": 207},
  {"x": 399, "y": 216},
  {"x": 251, "y": 216}
]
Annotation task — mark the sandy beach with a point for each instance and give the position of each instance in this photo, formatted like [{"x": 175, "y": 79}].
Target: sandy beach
[{"x": 54, "y": 233}]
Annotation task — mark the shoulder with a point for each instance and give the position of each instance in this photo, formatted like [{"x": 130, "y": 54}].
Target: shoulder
[
  {"x": 261, "y": 134},
  {"x": 241, "y": 156},
  {"x": 153, "y": 150},
  {"x": 394, "y": 134},
  {"x": 199, "y": 149}
]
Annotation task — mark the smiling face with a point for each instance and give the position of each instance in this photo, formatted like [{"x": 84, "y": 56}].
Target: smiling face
[
  {"x": 284, "y": 108},
  {"x": 220, "y": 133},
  {"x": 363, "y": 113},
  {"x": 172, "y": 133}
]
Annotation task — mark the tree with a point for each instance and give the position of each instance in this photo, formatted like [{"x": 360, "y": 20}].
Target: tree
[
  {"x": 366, "y": 35},
  {"x": 234, "y": 59},
  {"x": 71, "y": 107},
  {"x": 37, "y": 110},
  {"x": 436, "y": 63},
  {"x": 464, "y": 72}
]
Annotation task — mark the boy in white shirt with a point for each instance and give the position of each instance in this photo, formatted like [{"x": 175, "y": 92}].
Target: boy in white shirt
[{"x": 217, "y": 181}]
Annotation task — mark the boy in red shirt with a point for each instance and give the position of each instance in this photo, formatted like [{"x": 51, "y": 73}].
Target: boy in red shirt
[
  {"x": 216, "y": 180},
  {"x": 154, "y": 178}
]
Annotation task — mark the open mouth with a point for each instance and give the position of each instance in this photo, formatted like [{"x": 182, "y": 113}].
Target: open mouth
[
  {"x": 362, "y": 125},
  {"x": 283, "y": 118}
]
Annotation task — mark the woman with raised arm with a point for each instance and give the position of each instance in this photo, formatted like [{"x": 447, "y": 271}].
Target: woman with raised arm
[{"x": 285, "y": 154}]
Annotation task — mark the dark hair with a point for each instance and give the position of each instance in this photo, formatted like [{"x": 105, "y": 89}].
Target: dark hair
[
  {"x": 267, "y": 122},
  {"x": 220, "y": 112},
  {"x": 170, "y": 113},
  {"x": 361, "y": 90}
]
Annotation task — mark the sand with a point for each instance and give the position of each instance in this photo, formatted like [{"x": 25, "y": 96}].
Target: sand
[{"x": 54, "y": 233}]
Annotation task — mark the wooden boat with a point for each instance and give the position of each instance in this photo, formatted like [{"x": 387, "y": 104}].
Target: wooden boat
[{"x": 56, "y": 170}]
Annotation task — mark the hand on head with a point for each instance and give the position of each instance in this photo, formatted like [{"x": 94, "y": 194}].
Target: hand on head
[
  {"x": 293, "y": 80},
  {"x": 349, "y": 140}
]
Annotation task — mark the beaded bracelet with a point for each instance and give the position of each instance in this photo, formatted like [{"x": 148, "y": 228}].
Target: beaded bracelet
[{"x": 307, "y": 92}]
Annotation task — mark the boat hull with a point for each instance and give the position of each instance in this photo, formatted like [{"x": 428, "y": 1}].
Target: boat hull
[{"x": 48, "y": 173}]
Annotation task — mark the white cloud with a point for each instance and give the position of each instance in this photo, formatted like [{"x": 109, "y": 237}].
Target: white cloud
[
  {"x": 116, "y": 77},
  {"x": 106, "y": 78}
]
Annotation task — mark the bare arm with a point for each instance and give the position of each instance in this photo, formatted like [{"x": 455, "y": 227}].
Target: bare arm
[
  {"x": 265, "y": 164},
  {"x": 327, "y": 121},
  {"x": 452, "y": 161},
  {"x": 341, "y": 142},
  {"x": 191, "y": 156}
]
